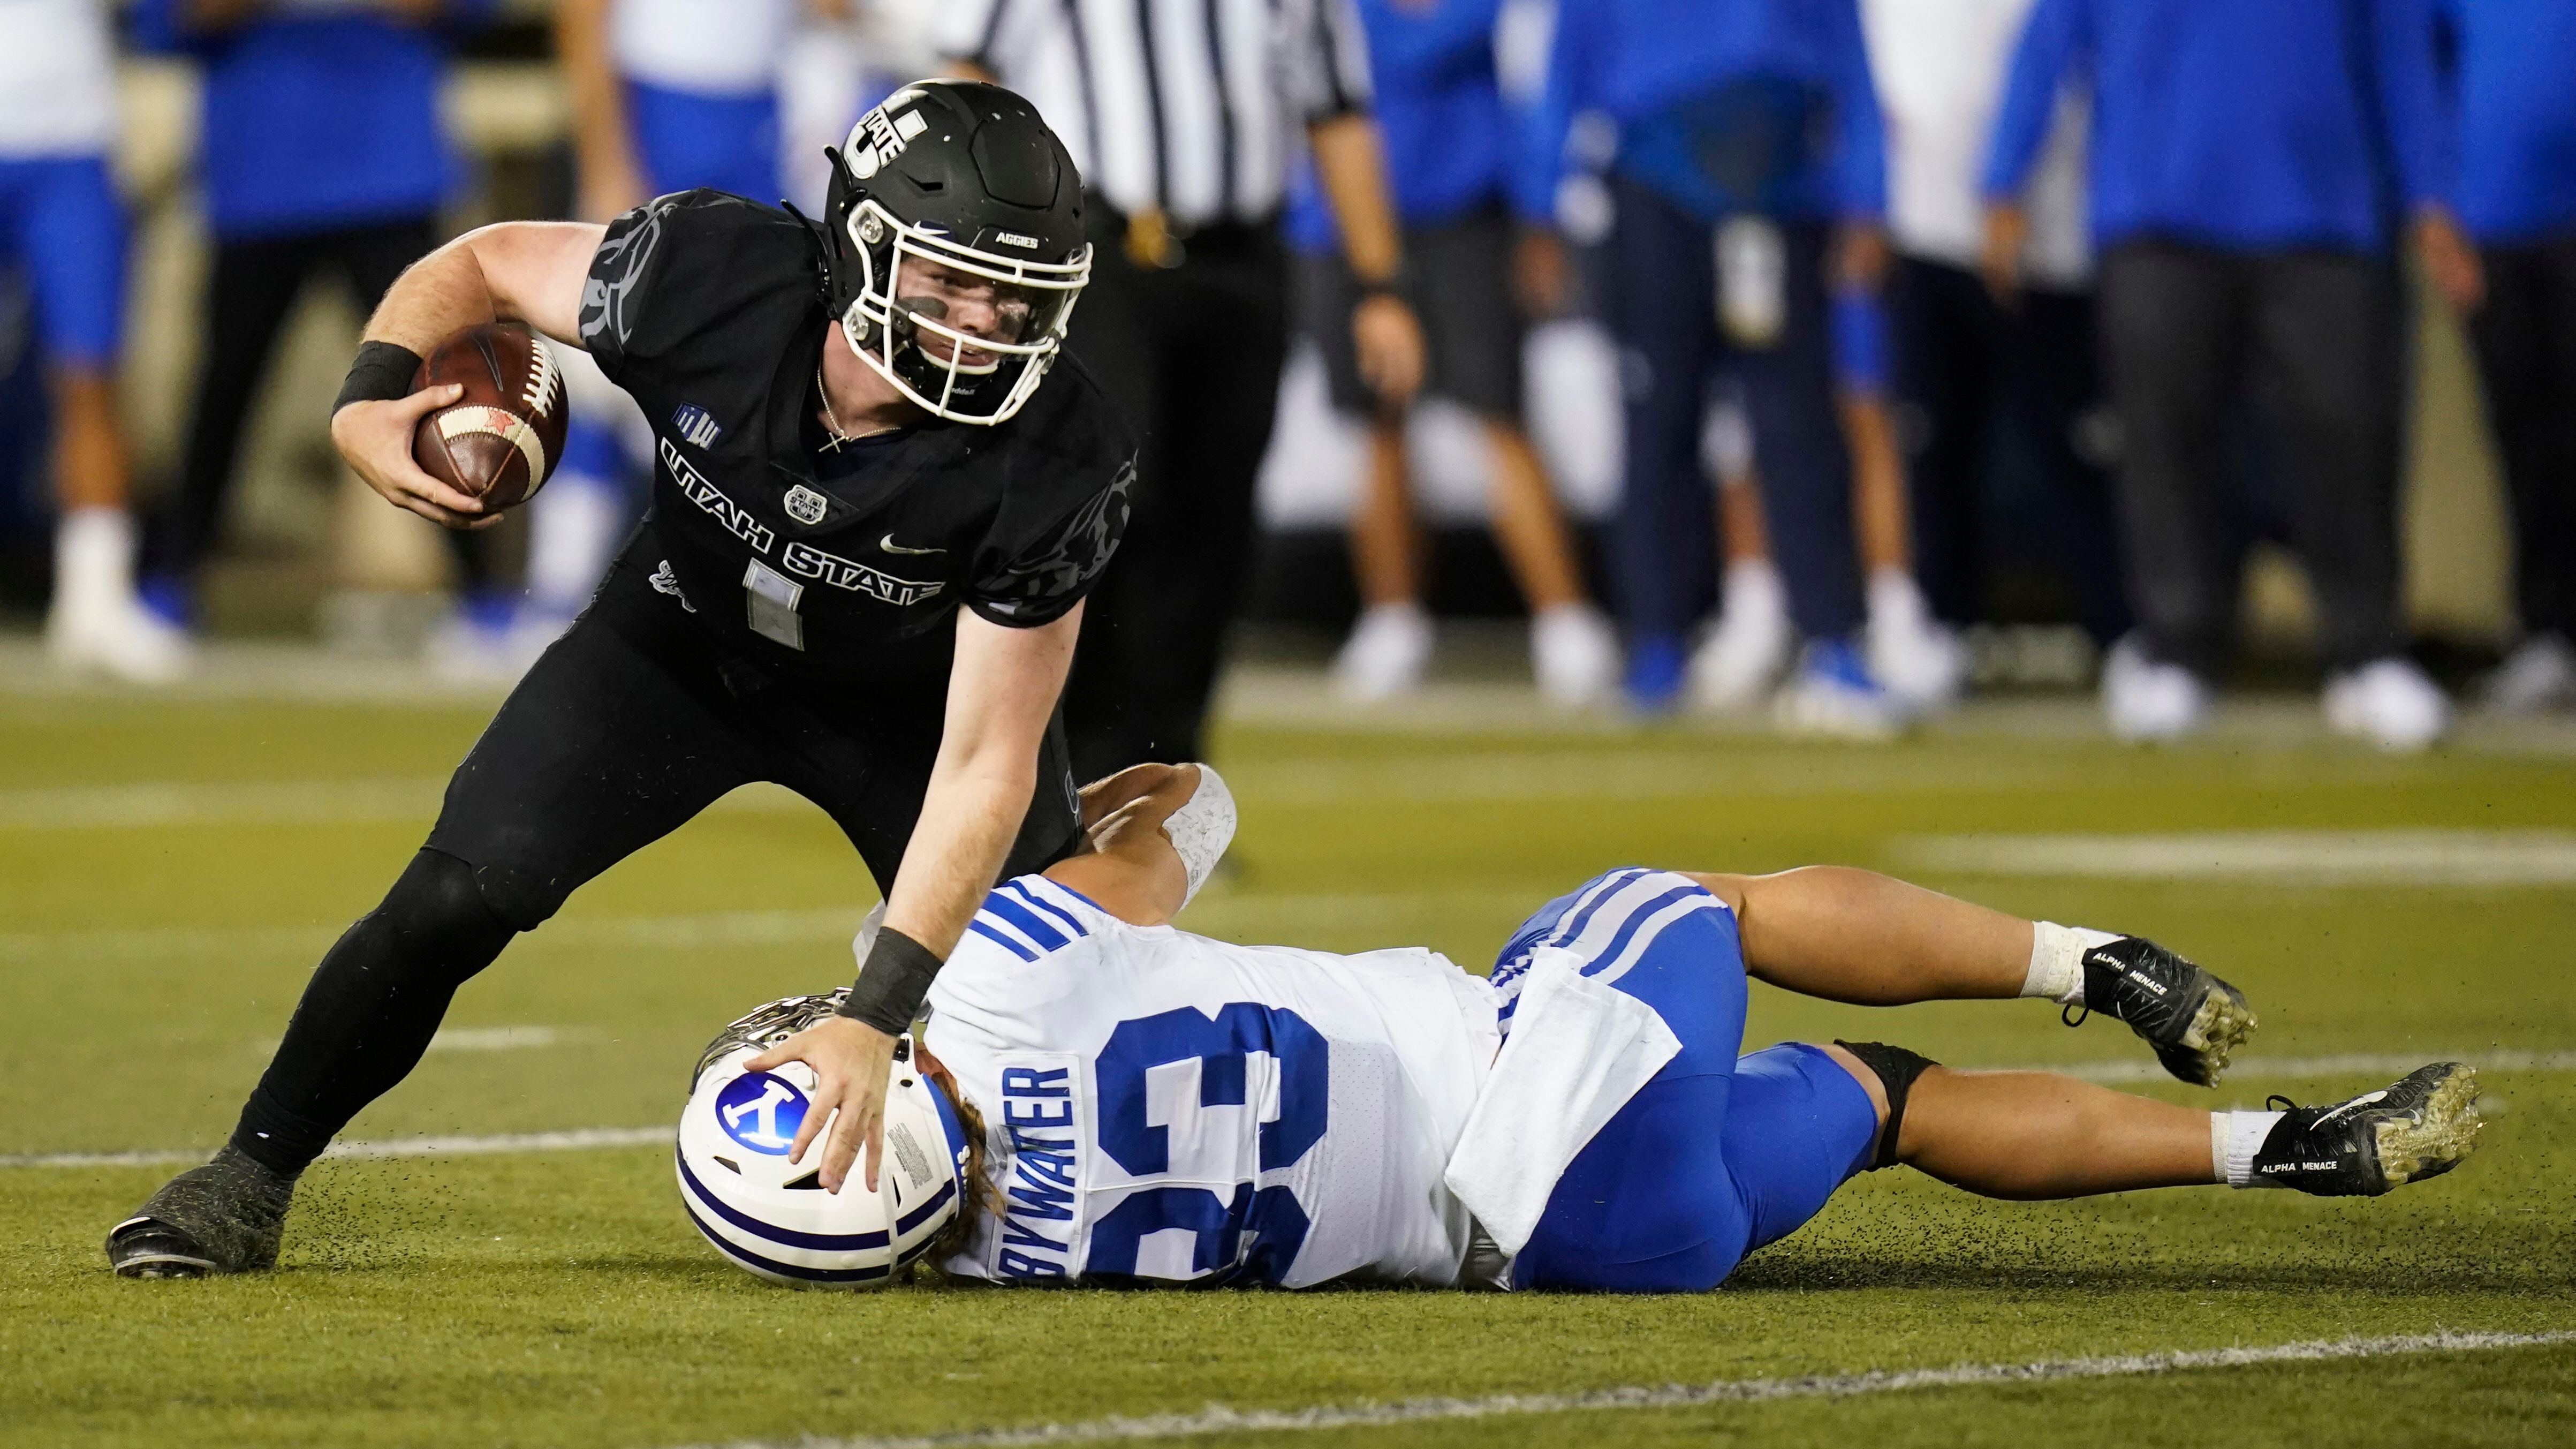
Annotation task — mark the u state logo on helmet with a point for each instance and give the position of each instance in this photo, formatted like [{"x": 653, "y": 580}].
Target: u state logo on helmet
[
  {"x": 771, "y": 1217},
  {"x": 955, "y": 246}
]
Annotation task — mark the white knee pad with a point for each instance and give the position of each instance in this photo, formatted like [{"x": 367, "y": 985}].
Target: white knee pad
[{"x": 1202, "y": 829}]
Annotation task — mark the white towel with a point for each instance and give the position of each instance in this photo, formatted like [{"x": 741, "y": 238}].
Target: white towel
[{"x": 1579, "y": 1049}]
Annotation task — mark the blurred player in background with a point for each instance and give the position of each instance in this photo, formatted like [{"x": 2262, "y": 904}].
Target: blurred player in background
[
  {"x": 1450, "y": 149},
  {"x": 60, "y": 217},
  {"x": 2514, "y": 123},
  {"x": 1747, "y": 181},
  {"x": 1977, "y": 368},
  {"x": 1182, "y": 115},
  {"x": 2253, "y": 167},
  {"x": 321, "y": 150}
]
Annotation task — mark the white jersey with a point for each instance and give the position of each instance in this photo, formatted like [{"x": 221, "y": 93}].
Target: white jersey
[
  {"x": 708, "y": 47},
  {"x": 1939, "y": 66},
  {"x": 57, "y": 79},
  {"x": 1162, "y": 1107}
]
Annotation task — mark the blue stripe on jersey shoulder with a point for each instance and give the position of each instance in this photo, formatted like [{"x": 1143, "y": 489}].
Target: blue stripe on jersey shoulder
[
  {"x": 1021, "y": 889},
  {"x": 995, "y": 936},
  {"x": 1024, "y": 920}
]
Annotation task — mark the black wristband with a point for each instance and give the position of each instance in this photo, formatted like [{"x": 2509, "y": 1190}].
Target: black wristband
[
  {"x": 892, "y": 982},
  {"x": 383, "y": 370}
]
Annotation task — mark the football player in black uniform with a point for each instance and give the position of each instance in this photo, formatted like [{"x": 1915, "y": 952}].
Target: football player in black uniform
[{"x": 881, "y": 494}]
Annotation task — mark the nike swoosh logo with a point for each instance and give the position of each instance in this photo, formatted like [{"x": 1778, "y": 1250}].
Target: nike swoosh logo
[
  {"x": 889, "y": 545},
  {"x": 2364, "y": 1100}
]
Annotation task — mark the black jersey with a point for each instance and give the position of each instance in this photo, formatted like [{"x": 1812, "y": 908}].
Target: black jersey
[{"x": 707, "y": 309}]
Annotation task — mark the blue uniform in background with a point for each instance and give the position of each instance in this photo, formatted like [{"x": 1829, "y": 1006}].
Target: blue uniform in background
[
  {"x": 1760, "y": 109},
  {"x": 1450, "y": 150},
  {"x": 1656, "y": 1202},
  {"x": 322, "y": 150},
  {"x": 320, "y": 119},
  {"x": 2290, "y": 123},
  {"x": 2250, "y": 167},
  {"x": 1450, "y": 141},
  {"x": 2512, "y": 84}
]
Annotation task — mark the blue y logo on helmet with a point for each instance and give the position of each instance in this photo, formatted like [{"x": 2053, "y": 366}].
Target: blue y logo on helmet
[{"x": 761, "y": 1112}]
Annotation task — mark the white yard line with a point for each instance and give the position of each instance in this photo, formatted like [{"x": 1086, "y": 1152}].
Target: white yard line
[
  {"x": 2265, "y": 857},
  {"x": 1218, "y": 1419},
  {"x": 582, "y": 1139}
]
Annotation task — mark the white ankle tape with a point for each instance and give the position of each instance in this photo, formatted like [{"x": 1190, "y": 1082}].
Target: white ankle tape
[
  {"x": 2234, "y": 1138},
  {"x": 2057, "y": 961},
  {"x": 1201, "y": 829}
]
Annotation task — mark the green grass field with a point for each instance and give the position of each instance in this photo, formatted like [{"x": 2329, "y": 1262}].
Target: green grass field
[{"x": 169, "y": 873}]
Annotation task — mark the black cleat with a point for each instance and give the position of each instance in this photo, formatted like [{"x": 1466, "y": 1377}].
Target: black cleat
[
  {"x": 2419, "y": 1128},
  {"x": 224, "y": 1217},
  {"x": 2192, "y": 1019}
]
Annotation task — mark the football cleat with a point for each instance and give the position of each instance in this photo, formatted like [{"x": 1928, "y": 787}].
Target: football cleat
[
  {"x": 2419, "y": 1128},
  {"x": 2192, "y": 1019},
  {"x": 224, "y": 1217}
]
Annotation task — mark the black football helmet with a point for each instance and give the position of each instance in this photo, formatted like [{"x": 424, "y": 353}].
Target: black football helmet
[{"x": 955, "y": 246}]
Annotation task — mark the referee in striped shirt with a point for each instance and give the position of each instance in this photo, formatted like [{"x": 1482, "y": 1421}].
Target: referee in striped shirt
[{"x": 1179, "y": 114}]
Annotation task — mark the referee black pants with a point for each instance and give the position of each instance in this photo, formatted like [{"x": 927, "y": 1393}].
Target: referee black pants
[
  {"x": 1191, "y": 356},
  {"x": 2314, "y": 340},
  {"x": 629, "y": 725},
  {"x": 2526, "y": 344},
  {"x": 253, "y": 287}
]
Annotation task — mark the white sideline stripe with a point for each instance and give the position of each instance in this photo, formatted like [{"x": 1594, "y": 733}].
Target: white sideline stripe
[
  {"x": 2268, "y": 857},
  {"x": 581, "y": 1139},
  {"x": 1218, "y": 1419},
  {"x": 471, "y": 1039}
]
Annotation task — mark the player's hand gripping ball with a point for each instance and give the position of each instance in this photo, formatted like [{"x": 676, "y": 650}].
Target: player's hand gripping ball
[{"x": 502, "y": 440}]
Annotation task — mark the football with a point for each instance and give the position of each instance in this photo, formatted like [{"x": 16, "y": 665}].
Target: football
[{"x": 502, "y": 439}]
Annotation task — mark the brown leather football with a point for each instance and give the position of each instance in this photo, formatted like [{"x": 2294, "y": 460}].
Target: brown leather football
[{"x": 501, "y": 441}]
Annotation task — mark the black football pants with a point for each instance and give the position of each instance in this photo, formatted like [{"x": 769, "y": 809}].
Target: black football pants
[
  {"x": 1971, "y": 376},
  {"x": 2526, "y": 342},
  {"x": 253, "y": 287},
  {"x": 2315, "y": 341},
  {"x": 629, "y": 726},
  {"x": 1191, "y": 357}
]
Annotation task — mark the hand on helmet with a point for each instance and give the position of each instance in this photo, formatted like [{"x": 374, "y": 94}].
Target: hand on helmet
[{"x": 851, "y": 1061}]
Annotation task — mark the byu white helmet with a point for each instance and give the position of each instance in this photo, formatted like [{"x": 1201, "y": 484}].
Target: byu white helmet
[{"x": 773, "y": 1218}]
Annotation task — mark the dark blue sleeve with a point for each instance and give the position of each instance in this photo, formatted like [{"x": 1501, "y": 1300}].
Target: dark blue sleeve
[
  {"x": 2057, "y": 37},
  {"x": 2419, "y": 124},
  {"x": 1860, "y": 151},
  {"x": 465, "y": 16},
  {"x": 1574, "y": 60},
  {"x": 155, "y": 27}
]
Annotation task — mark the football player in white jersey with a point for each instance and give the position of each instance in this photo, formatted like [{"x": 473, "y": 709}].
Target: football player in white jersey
[
  {"x": 1144, "y": 1105},
  {"x": 60, "y": 217}
]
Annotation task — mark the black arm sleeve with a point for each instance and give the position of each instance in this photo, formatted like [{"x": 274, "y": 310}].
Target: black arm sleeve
[{"x": 892, "y": 983}]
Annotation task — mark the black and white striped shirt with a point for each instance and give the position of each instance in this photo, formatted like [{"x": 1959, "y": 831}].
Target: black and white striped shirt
[{"x": 1182, "y": 105}]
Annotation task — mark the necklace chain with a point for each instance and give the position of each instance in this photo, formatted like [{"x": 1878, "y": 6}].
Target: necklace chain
[{"x": 831, "y": 420}]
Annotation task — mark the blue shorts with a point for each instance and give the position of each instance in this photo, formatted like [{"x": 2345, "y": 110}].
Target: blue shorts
[
  {"x": 1717, "y": 1154},
  {"x": 59, "y": 215},
  {"x": 685, "y": 140}
]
